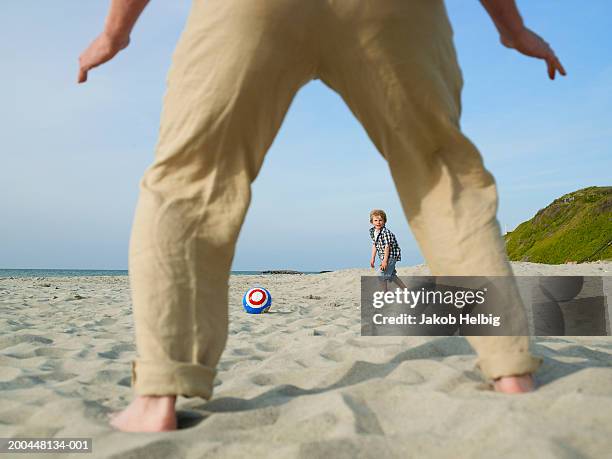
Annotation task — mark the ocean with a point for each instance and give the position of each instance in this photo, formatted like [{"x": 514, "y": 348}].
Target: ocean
[{"x": 89, "y": 272}]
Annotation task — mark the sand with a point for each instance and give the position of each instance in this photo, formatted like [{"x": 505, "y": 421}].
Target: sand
[{"x": 298, "y": 382}]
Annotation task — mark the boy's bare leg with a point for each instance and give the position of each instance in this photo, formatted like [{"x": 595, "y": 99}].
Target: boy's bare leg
[{"x": 399, "y": 282}]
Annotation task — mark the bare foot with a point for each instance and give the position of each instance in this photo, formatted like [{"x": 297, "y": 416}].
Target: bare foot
[
  {"x": 149, "y": 413},
  {"x": 514, "y": 384}
]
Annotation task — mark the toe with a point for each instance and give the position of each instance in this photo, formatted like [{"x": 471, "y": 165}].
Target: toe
[{"x": 515, "y": 384}]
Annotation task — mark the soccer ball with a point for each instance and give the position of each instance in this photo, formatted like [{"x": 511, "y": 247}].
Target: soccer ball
[{"x": 257, "y": 300}]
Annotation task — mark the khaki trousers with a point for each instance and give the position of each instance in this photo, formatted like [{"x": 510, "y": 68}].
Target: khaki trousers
[{"x": 235, "y": 71}]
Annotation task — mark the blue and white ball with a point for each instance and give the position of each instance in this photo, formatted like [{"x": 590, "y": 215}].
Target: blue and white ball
[{"x": 257, "y": 300}]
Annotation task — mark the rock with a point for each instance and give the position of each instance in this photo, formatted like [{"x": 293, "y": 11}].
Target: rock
[{"x": 281, "y": 271}]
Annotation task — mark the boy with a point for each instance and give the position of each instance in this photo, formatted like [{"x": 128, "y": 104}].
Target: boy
[{"x": 385, "y": 244}]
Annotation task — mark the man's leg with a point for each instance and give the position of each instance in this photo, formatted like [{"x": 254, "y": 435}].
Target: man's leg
[
  {"x": 234, "y": 74},
  {"x": 395, "y": 67}
]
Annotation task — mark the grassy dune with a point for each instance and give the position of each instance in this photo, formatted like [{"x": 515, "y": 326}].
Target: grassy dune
[{"x": 576, "y": 227}]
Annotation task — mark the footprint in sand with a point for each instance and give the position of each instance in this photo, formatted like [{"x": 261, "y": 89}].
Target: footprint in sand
[
  {"x": 12, "y": 340},
  {"x": 116, "y": 351}
]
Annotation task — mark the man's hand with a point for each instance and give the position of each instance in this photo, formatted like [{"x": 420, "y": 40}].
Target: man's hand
[
  {"x": 383, "y": 265},
  {"x": 531, "y": 44},
  {"x": 120, "y": 20},
  {"x": 101, "y": 50},
  {"x": 514, "y": 34},
  {"x": 372, "y": 263}
]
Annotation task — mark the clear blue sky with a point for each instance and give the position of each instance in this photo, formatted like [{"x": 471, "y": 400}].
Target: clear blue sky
[{"x": 72, "y": 156}]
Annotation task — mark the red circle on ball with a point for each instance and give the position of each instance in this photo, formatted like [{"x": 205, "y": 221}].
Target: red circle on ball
[{"x": 263, "y": 297}]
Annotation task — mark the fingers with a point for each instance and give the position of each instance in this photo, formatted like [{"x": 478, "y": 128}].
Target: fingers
[
  {"x": 83, "y": 69},
  {"x": 554, "y": 65},
  {"x": 551, "y": 68},
  {"x": 96, "y": 54},
  {"x": 559, "y": 66},
  {"x": 82, "y": 75}
]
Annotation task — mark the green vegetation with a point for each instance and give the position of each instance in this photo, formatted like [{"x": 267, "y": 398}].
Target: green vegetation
[{"x": 576, "y": 227}]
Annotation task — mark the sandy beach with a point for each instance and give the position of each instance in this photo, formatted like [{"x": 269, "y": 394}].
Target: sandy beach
[{"x": 297, "y": 382}]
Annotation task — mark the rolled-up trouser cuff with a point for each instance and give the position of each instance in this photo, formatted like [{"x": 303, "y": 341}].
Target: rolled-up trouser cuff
[
  {"x": 496, "y": 366},
  {"x": 172, "y": 378}
]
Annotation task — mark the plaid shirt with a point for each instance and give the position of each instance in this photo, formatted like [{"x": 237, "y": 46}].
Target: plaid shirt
[{"x": 386, "y": 237}]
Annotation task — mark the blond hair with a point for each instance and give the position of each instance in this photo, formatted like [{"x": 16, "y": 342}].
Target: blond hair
[{"x": 378, "y": 213}]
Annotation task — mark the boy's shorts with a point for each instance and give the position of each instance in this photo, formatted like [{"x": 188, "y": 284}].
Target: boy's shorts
[{"x": 390, "y": 271}]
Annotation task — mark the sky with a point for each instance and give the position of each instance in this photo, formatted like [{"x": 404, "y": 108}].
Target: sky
[{"x": 72, "y": 155}]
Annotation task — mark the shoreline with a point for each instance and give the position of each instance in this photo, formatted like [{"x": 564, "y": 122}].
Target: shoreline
[{"x": 43, "y": 273}]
